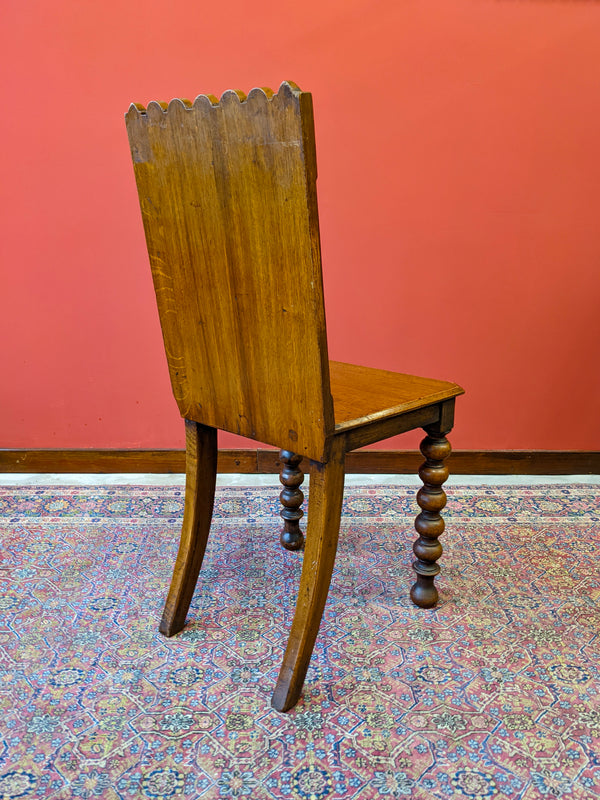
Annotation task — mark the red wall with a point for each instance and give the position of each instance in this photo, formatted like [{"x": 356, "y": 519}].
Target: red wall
[{"x": 459, "y": 185}]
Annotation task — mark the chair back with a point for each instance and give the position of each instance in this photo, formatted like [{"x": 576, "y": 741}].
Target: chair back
[{"x": 228, "y": 198}]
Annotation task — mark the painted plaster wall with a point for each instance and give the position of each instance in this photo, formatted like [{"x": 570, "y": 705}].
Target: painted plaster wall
[{"x": 459, "y": 176}]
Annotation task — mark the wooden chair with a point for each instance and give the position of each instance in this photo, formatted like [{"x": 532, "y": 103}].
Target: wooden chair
[{"x": 228, "y": 198}]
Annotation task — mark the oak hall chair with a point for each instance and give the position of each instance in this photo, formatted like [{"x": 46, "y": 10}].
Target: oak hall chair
[{"x": 228, "y": 198}]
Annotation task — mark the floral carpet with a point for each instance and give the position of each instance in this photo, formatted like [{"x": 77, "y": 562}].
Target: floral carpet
[{"x": 494, "y": 694}]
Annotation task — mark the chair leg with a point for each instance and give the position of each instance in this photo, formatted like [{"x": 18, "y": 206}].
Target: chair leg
[
  {"x": 291, "y": 499},
  {"x": 429, "y": 524},
  {"x": 200, "y": 479},
  {"x": 324, "y": 512}
]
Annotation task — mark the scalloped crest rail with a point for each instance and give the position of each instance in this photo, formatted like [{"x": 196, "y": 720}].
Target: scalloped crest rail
[
  {"x": 228, "y": 198},
  {"x": 260, "y": 93}
]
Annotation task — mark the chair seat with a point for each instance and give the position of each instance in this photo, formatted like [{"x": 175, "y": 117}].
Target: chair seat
[{"x": 362, "y": 395}]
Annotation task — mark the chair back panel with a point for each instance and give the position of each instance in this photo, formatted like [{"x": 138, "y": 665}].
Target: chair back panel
[{"x": 228, "y": 197}]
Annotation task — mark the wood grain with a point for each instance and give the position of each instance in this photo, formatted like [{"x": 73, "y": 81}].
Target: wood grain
[
  {"x": 399, "y": 462},
  {"x": 228, "y": 197},
  {"x": 362, "y": 395},
  {"x": 201, "y": 473}
]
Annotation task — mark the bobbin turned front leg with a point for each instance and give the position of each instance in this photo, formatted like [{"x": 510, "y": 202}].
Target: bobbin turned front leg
[
  {"x": 291, "y": 499},
  {"x": 429, "y": 524}
]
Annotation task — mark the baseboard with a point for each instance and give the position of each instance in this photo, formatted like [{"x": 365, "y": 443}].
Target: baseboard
[{"x": 461, "y": 462}]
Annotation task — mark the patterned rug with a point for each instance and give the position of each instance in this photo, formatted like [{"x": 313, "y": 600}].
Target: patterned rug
[{"x": 494, "y": 694}]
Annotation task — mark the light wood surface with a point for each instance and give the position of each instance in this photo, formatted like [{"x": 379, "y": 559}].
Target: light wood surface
[
  {"x": 228, "y": 198},
  {"x": 362, "y": 395}
]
